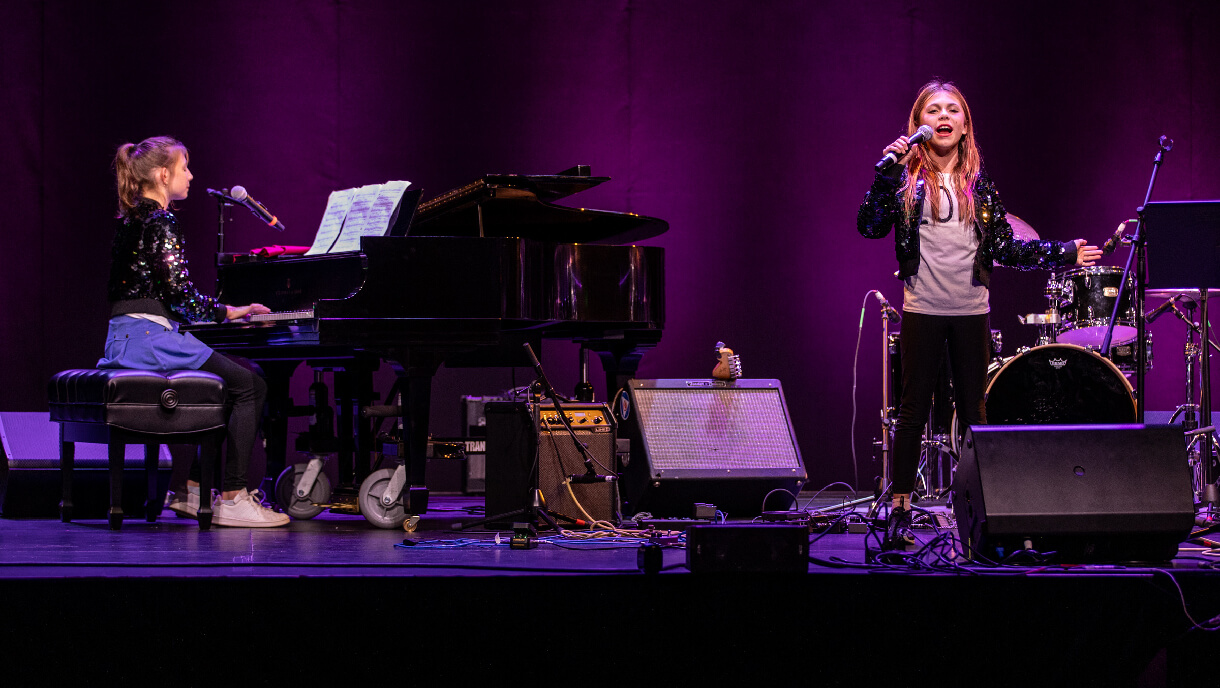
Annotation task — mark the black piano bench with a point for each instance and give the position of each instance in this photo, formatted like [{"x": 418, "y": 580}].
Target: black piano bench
[{"x": 118, "y": 407}]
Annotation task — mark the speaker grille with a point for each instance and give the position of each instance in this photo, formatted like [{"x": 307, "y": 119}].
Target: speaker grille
[
  {"x": 31, "y": 440},
  {"x": 716, "y": 428},
  {"x": 559, "y": 458}
]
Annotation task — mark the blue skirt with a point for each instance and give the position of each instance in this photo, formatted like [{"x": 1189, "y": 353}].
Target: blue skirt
[{"x": 144, "y": 345}]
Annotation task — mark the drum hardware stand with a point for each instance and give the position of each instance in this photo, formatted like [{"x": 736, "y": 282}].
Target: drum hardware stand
[
  {"x": 888, "y": 409},
  {"x": 931, "y": 473},
  {"x": 1189, "y": 411},
  {"x": 1048, "y": 322}
]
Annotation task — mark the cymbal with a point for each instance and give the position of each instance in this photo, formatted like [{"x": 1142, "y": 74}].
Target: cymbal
[
  {"x": 1021, "y": 229},
  {"x": 1192, "y": 292}
]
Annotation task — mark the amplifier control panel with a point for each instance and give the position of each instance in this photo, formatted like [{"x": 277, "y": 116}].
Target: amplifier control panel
[{"x": 578, "y": 415}]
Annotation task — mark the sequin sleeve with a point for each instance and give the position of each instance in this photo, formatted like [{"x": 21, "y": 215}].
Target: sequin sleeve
[
  {"x": 1007, "y": 250},
  {"x": 169, "y": 277},
  {"x": 881, "y": 209}
]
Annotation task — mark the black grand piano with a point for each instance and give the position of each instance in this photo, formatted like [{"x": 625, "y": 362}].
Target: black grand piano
[{"x": 480, "y": 271}]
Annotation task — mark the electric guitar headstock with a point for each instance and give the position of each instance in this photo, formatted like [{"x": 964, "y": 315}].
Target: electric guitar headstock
[{"x": 728, "y": 365}]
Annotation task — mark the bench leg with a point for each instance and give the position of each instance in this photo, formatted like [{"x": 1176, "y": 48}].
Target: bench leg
[
  {"x": 67, "y": 460},
  {"x": 115, "y": 451},
  {"x": 208, "y": 457},
  {"x": 152, "y": 508}
]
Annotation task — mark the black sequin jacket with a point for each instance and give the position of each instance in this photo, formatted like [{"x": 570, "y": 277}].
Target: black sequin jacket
[
  {"x": 882, "y": 211},
  {"x": 148, "y": 270}
]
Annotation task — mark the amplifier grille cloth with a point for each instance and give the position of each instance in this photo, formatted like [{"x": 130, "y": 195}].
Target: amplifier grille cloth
[{"x": 715, "y": 428}]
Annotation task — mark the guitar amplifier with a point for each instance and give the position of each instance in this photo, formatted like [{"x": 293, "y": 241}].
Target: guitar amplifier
[
  {"x": 724, "y": 442},
  {"x": 513, "y": 440}
]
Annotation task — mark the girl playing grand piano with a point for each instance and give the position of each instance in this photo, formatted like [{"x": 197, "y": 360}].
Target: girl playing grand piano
[{"x": 151, "y": 294}]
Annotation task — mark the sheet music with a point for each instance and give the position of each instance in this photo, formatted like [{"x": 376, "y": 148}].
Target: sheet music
[
  {"x": 337, "y": 207},
  {"x": 372, "y": 208},
  {"x": 388, "y": 202}
]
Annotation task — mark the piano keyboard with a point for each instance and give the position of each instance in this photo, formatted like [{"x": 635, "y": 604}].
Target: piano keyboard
[{"x": 283, "y": 315}]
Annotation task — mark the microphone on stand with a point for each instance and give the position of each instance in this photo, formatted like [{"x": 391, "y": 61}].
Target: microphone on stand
[
  {"x": 886, "y": 309},
  {"x": 923, "y": 133},
  {"x": 240, "y": 196},
  {"x": 222, "y": 195},
  {"x": 1160, "y": 310},
  {"x": 1114, "y": 241}
]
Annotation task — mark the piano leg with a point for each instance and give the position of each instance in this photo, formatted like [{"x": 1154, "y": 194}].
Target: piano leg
[
  {"x": 364, "y": 396},
  {"x": 344, "y": 423},
  {"x": 417, "y": 401},
  {"x": 275, "y": 423},
  {"x": 621, "y": 357},
  {"x": 353, "y": 391},
  {"x": 415, "y": 374}
]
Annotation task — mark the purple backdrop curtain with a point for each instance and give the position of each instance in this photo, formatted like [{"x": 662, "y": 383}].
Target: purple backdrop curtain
[{"x": 750, "y": 127}]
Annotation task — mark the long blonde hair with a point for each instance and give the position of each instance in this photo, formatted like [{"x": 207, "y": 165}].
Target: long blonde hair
[
  {"x": 921, "y": 165},
  {"x": 135, "y": 164}
]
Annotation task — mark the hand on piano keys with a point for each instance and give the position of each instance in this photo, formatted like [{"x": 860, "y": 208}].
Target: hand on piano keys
[{"x": 245, "y": 313}]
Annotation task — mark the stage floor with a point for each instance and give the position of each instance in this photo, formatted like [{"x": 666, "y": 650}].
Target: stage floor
[{"x": 344, "y": 583}]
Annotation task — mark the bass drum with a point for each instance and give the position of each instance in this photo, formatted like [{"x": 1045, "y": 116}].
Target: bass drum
[{"x": 1055, "y": 384}]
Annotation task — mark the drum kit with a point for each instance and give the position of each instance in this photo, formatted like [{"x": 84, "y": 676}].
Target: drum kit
[
  {"x": 1092, "y": 337},
  {"x": 1063, "y": 380}
]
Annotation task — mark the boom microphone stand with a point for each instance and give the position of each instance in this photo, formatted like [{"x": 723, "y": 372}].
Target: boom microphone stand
[{"x": 1139, "y": 253}]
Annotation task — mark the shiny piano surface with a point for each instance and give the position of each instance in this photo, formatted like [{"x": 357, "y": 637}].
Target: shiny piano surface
[{"x": 483, "y": 269}]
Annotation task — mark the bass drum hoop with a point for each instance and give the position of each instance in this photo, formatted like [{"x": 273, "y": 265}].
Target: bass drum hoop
[{"x": 994, "y": 373}]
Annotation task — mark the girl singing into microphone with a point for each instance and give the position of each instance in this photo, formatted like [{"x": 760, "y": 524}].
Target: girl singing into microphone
[
  {"x": 949, "y": 229},
  {"x": 151, "y": 293}
]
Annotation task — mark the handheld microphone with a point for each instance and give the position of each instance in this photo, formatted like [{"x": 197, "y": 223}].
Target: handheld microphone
[
  {"x": 923, "y": 133},
  {"x": 1160, "y": 310},
  {"x": 239, "y": 194},
  {"x": 886, "y": 309}
]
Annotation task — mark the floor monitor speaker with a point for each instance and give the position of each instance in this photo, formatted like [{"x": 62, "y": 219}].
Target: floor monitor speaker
[{"x": 1086, "y": 492}]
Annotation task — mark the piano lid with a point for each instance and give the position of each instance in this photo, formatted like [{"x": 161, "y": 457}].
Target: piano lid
[{"x": 514, "y": 205}]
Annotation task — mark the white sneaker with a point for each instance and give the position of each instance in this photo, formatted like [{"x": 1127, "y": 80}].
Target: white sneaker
[
  {"x": 185, "y": 507},
  {"x": 245, "y": 511}
]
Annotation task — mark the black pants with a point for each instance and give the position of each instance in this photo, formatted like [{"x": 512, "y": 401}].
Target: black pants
[
  {"x": 245, "y": 392},
  {"x": 923, "y": 340}
]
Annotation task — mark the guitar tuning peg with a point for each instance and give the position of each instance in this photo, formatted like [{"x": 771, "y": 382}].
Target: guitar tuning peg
[{"x": 728, "y": 365}]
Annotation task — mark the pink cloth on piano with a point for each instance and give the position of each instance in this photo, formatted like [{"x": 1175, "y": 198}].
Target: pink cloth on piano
[{"x": 272, "y": 251}]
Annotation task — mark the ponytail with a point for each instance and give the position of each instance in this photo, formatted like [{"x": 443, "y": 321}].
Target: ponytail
[{"x": 135, "y": 164}]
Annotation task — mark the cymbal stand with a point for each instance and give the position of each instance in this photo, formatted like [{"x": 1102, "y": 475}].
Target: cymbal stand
[
  {"x": 1189, "y": 411},
  {"x": 935, "y": 447}
]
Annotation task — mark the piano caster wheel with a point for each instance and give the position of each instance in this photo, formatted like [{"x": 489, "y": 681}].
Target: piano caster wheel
[
  {"x": 286, "y": 493},
  {"x": 374, "y": 511}
]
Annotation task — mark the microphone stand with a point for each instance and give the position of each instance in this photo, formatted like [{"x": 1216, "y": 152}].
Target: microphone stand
[
  {"x": 222, "y": 199},
  {"x": 1139, "y": 253},
  {"x": 888, "y": 418}
]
